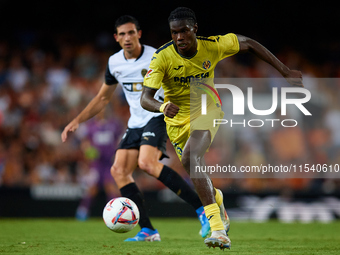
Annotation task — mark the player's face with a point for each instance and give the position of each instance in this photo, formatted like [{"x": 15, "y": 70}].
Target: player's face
[
  {"x": 184, "y": 36},
  {"x": 128, "y": 36}
]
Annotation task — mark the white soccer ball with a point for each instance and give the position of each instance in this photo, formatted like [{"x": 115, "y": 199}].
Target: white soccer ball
[{"x": 121, "y": 215}]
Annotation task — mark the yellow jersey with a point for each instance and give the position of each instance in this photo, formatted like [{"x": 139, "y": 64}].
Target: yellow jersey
[{"x": 175, "y": 72}]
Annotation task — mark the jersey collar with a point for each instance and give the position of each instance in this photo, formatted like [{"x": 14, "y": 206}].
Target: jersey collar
[
  {"x": 182, "y": 55},
  {"x": 140, "y": 55}
]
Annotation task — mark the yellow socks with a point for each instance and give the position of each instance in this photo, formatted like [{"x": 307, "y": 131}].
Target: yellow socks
[
  {"x": 218, "y": 198},
  {"x": 212, "y": 212}
]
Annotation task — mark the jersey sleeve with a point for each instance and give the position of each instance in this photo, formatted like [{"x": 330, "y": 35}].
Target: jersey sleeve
[
  {"x": 228, "y": 45},
  {"x": 154, "y": 76},
  {"x": 109, "y": 78}
]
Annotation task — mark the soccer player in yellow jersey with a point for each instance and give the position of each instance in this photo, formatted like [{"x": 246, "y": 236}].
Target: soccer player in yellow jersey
[{"x": 175, "y": 66}]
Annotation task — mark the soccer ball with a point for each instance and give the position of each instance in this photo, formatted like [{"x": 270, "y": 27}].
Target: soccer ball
[{"x": 121, "y": 215}]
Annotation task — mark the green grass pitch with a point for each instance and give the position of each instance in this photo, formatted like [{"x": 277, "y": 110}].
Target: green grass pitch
[{"x": 179, "y": 236}]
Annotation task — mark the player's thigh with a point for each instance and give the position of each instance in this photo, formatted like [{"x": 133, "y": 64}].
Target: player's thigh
[
  {"x": 148, "y": 160},
  {"x": 149, "y": 157},
  {"x": 197, "y": 144},
  {"x": 125, "y": 161},
  {"x": 149, "y": 153}
]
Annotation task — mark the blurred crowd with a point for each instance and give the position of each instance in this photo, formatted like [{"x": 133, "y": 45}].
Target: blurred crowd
[{"x": 43, "y": 86}]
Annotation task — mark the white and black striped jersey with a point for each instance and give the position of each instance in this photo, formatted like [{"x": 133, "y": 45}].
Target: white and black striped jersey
[{"x": 129, "y": 73}]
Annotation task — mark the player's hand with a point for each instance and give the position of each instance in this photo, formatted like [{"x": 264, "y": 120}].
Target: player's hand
[
  {"x": 171, "y": 110},
  {"x": 294, "y": 78},
  {"x": 71, "y": 127}
]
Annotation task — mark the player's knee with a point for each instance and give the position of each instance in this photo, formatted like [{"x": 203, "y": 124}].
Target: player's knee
[
  {"x": 113, "y": 171},
  {"x": 117, "y": 172},
  {"x": 147, "y": 165}
]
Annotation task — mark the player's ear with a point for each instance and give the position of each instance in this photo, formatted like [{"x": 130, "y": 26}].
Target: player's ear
[
  {"x": 195, "y": 28},
  {"x": 139, "y": 33},
  {"x": 115, "y": 36}
]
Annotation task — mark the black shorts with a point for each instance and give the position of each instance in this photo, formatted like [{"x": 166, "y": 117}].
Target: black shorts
[{"x": 153, "y": 133}]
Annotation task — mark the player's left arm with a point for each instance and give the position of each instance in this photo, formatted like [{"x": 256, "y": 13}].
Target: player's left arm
[{"x": 294, "y": 77}]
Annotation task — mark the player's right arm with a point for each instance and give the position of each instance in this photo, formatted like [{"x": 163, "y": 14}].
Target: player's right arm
[
  {"x": 152, "y": 82},
  {"x": 97, "y": 104},
  {"x": 149, "y": 103}
]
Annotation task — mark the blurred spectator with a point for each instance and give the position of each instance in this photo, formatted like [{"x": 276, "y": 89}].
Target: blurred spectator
[
  {"x": 86, "y": 63},
  {"x": 18, "y": 75},
  {"x": 57, "y": 77},
  {"x": 100, "y": 139},
  {"x": 3, "y": 72}
]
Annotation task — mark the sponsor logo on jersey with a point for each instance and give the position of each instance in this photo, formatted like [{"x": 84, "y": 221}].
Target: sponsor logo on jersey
[
  {"x": 148, "y": 73},
  {"x": 179, "y": 67},
  {"x": 186, "y": 80},
  {"x": 133, "y": 87},
  {"x": 206, "y": 64}
]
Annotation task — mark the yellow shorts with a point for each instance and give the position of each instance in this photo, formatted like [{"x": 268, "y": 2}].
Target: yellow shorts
[{"x": 179, "y": 135}]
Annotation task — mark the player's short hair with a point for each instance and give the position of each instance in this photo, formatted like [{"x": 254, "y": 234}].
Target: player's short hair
[
  {"x": 183, "y": 13},
  {"x": 126, "y": 19}
]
